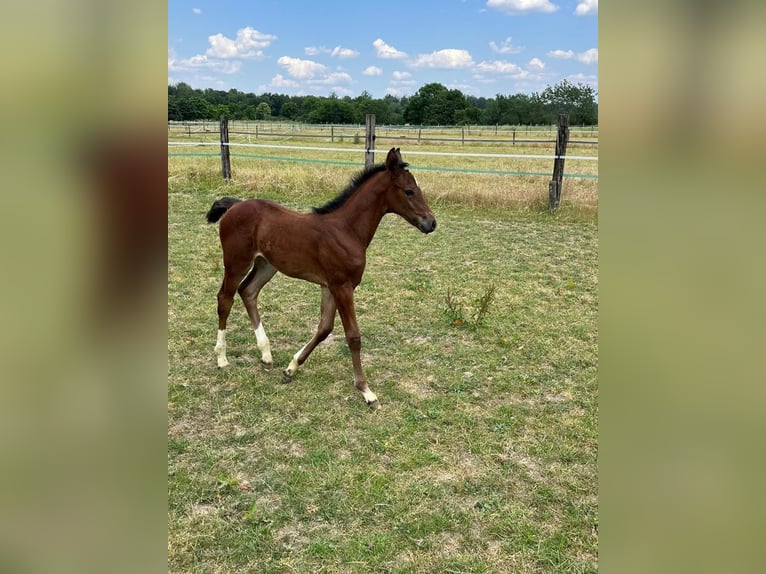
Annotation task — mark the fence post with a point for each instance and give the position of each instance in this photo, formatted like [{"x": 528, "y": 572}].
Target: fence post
[
  {"x": 225, "y": 161},
  {"x": 369, "y": 140},
  {"x": 554, "y": 187}
]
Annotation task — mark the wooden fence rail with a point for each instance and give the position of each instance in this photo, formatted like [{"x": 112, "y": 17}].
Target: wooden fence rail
[{"x": 555, "y": 185}]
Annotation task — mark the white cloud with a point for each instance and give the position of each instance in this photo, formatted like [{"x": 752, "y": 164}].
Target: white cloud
[
  {"x": 398, "y": 92},
  {"x": 586, "y": 7},
  {"x": 301, "y": 68},
  {"x": 584, "y": 79},
  {"x": 498, "y": 67},
  {"x": 561, "y": 54},
  {"x": 400, "y": 79},
  {"x": 341, "y": 91},
  {"x": 444, "y": 59},
  {"x": 249, "y": 43},
  {"x": 589, "y": 56},
  {"x": 337, "y": 52},
  {"x": 387, "y": 52},
  {"x": 199, "y": 63},
  {"x": 537, "y": 64},
  {"x": 279, "y": 81},
  {"x": 372, "y": 71},
  {"x": 196, "y": 10},
  {"x": 522, "y": 6},
  {"x": 505, "y": 47},
  {"x": 331, "y": 79},
  {"x": 340, "y": 52}
]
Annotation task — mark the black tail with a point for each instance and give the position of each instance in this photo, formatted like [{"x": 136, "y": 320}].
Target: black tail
[{"x": 220, "y": 207}]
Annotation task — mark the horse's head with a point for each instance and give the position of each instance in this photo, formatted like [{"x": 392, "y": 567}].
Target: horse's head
[{"x": 405, "y": 197}]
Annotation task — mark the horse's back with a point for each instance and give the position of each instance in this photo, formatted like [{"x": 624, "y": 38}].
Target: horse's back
[{"x": 262, "y": 220}]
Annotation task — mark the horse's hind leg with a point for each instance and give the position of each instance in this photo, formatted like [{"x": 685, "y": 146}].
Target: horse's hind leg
[
  {"x": 326, "y": 322},
  {"x": 249, "y": 289}
]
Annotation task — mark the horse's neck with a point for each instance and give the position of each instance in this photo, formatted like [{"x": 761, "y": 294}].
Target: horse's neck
[{"x": 362, "y": 212}]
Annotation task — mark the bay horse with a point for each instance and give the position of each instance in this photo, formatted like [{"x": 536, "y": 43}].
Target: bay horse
[{"x": 327, "y": 247}]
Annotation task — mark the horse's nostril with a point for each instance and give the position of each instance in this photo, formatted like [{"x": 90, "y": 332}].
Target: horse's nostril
[{"x": 433, "y": 225}]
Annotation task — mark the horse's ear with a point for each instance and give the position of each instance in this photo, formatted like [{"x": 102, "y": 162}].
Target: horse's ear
[{"x": 394, "y": 160}]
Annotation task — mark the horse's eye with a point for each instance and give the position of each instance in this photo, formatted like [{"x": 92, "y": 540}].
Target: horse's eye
[{"x": 409, "y": 192}]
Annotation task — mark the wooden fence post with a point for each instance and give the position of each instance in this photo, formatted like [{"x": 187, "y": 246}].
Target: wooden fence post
[
  {"x": 225, "y": 160},
  {"x": 369, "y": 140},
  {"x": 554, "y": 187}
]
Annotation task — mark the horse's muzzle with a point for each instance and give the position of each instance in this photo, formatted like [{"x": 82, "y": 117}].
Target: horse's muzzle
[{"x": 427, "y": 224}]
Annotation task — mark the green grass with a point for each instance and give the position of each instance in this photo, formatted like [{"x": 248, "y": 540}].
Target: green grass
[{"x": 482, "y": 457}]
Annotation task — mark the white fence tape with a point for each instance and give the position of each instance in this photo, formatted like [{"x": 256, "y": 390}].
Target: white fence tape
[{"x": 408, "y": 152}]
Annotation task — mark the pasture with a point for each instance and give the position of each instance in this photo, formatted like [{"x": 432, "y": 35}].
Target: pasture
[{"x": 482, "y": 457}]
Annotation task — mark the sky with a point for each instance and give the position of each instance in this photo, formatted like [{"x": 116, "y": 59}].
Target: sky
[{"x": 298, "y": 47}]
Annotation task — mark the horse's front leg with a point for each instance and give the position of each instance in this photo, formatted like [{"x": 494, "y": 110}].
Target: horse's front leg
[
  {"x": 326, "y": 321},
  {"x": 344, "y": 298}
]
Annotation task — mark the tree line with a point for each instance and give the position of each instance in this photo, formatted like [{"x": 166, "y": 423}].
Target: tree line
[{"x": 433, "y": 105}]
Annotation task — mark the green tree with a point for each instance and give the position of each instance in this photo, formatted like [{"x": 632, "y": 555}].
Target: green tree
[
  {"x": 262, "y": 111},
  {"x": 290, "y": 110},
  {"x": 395, "y": 108},
  {"x": 194, "y": 108},
  {"x": 174, "y": 112},
  {"x": 417, "y": 110},
  {"x": 333, "y": 110},
  {"x": 215, "y": 112},
  {"x": 308, "y": 105},
  {"x": 434, "y": 104},
  {"x": 577, "y": 100}
]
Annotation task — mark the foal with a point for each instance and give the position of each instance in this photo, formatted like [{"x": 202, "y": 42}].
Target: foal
[{"x": 327, "y": 247}]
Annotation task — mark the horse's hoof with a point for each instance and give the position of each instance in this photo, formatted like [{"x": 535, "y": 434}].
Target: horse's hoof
[
  {"x": 286, "y": 377},
  {"x": 374, "y": 405}
]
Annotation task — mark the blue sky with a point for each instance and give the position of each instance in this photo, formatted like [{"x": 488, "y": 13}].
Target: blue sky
[{"x": 481, "y": 47}]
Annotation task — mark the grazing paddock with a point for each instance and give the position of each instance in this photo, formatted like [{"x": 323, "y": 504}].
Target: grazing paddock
[{"x": 482, "y": 457}]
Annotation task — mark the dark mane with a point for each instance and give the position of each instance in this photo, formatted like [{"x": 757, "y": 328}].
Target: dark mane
[{"x": 356, "y": 182}]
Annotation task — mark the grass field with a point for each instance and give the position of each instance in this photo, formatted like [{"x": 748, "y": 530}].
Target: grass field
[{"x": 482, "y": 457}]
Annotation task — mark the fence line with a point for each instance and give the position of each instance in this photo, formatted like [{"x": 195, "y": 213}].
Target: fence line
[
  {"x": 412, "y": 167},
  {"x": 555, "y": 185},
  {"x": 409, "y": 152},
  {"x": 389, "y": 132},
  {"x": 271, "y": 125}
]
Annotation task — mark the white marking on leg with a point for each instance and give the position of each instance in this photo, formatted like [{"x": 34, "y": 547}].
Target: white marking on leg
[
  {"x": 293, "y": 366},
  {"x": 369, "y": 396},
  {"x": 263, "y": 344},
  {"x": 220, "y": 349}
]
